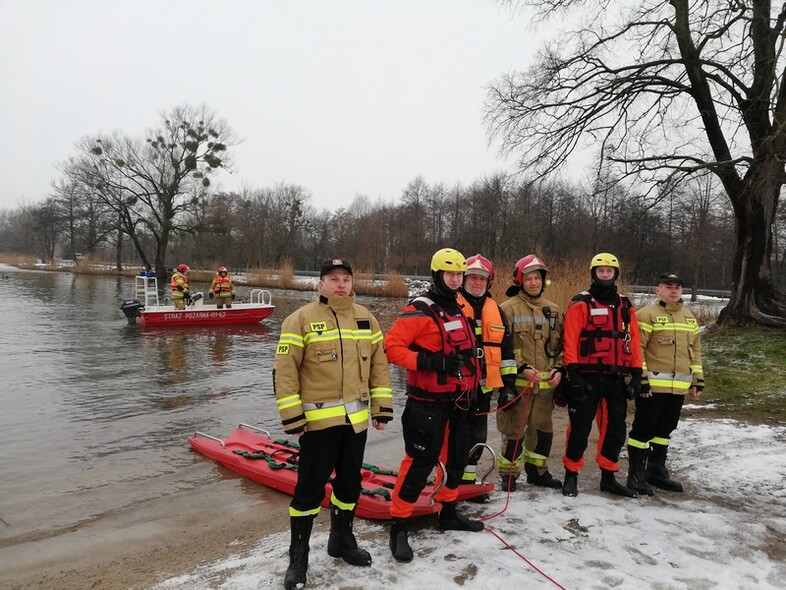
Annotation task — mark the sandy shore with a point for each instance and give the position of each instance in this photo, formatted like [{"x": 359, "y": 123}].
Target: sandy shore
[{"x": 151, "y": 542}]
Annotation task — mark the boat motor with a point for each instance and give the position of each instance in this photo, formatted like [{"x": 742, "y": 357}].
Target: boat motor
[{"x": 131, "y": 308}]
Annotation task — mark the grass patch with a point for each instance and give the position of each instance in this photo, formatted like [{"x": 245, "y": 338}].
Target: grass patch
[{"x": 745, "y": 374}]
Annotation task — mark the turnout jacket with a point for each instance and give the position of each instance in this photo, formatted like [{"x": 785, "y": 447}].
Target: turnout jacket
[
  {"x": 330, "y": 365},
  {"x": 671, "y": 347},
  {"x": 179, "y": 285},
  {"x": 222, "y": 286},
  {"x": 536, "y": 336}
]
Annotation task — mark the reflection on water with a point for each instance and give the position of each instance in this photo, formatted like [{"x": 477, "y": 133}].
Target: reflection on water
[{"x": 96, "y": 413}]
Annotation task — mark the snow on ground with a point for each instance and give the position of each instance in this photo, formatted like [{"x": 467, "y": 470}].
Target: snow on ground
[{"x": 726, "y": 531}]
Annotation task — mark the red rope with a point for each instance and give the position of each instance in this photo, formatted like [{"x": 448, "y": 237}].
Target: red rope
[{"x": 528, "y": 392}]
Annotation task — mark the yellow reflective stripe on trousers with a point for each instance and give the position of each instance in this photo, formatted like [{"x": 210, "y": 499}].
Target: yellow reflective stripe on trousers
[
  {"x": 657, "y": 440},
  {"x": 339, "y": 504},
  {"x": 312, "y": 512},
  {"x": 503, "y": 463},
  {"x": 534, "y": 458},
  {"x": 638, "y": 444}
]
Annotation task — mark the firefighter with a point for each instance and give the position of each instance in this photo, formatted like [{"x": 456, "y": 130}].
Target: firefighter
[
  {"x": 330, "y": 374},
  {"x": 671, "y": 351},
  {"x": 222, "y": 289},
  {"x": 497, "y": 364},
  {"x": 179, "y": 283},
  {"x": 602, "y": 351},
  {"x": 535, "y": 324},
  {"x": 435, "y": 342}
]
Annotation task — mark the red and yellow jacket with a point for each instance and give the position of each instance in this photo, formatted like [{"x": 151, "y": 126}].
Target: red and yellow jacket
[
  {"x": 330, "y": 365},
  {"x": 179, "y": 280}
]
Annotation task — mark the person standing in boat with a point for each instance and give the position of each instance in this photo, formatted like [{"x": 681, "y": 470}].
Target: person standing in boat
[
  {"x": 222, "y": 289},
  {"x": 435, "y": 342},
  {"x": 180, "y": 292},
  {"x": 330, "y": 375}
]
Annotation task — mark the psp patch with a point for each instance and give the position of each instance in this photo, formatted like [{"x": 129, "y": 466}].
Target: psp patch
[
  {"x": 282, "y": 349},
  {"x": 662, "y": 319},
  {"x": 318, "y": 326},
  {"x": 691, "y": 321}
]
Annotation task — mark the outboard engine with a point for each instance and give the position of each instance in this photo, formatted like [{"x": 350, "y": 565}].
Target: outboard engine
[{"x": 131, "y": 308}]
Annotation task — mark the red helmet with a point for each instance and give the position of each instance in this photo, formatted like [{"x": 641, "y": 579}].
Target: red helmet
[
  {"x": 182, "y": 268},
  {"x": 527, "y": 265},
  {"x": 222, "y": 269},
  {"x": 480, "y": 265}
]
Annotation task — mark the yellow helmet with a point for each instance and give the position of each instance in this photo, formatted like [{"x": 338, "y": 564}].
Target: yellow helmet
[
  {"x": 449, "y": 260},
  {"x": 604, "y": 259}
]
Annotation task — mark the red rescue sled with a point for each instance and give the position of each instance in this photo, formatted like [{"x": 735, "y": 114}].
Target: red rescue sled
[{"x": 250, "y": 451}]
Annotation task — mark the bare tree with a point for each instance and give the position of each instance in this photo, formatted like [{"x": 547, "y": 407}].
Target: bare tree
[
  {"x": 655, "y": 85},
  {"x": 155, "y": 184}
]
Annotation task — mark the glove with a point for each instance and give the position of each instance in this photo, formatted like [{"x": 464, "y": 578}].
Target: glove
[
  {"x": 634, "y": 385},
  {"x": 645, "y": 388},
  {"x": 233, "y": 296},
  {"x": 578, "y": 387},
  {"x": 450, "y": 364},
  {"x": 506, "y": 395},
  {"x": 211, "y": 294}
]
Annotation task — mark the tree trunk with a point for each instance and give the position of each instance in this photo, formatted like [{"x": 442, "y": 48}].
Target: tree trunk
[{"x": 754, "y": 299}]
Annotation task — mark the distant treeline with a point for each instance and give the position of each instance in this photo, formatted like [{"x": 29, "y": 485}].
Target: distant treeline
[{"x": 690, "y": 233}]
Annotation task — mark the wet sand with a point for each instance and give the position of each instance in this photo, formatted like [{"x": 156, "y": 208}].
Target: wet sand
[{"x": 151, "y": 542}]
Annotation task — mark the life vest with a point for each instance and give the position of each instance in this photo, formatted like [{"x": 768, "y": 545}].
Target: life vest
[
  {"x": 457, "y": 336},
  {"x": 489, "y": 332},
  {"x": 222, "y": 284},
  {"x": 604, "y": 343},
  {"x": 179, "y": 279}
]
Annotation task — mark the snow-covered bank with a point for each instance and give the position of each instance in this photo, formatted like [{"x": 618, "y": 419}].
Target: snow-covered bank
[{"x": 726, "y": 531}]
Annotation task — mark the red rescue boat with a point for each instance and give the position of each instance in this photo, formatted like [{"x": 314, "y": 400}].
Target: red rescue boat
[
  {"x": 250, "y": 451},
  {"x": 145, "y": 309}
]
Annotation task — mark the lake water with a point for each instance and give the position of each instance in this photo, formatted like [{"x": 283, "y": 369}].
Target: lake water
[{"x": 95, "y": 414}]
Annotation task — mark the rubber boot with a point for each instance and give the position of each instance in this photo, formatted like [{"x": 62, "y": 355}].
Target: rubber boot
[
  {"x": 609, "y": 484},
  {"x": 657, "y": 474},
  {"x": 543, "y": 480},
  {"x": 341, "y": 542},
  {"x": 451, "y": 520},
  {"x": 637, "y": 471},
  {"x": 399, "y": 542},
  {"x": 571, "y": 486},
  {"x": 298, "y": 552},
  {"x": 508, "y": 483}
]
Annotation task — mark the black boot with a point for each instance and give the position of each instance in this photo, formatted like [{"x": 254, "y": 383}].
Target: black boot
[
  {"x": 609, "y": 484},
  {"x": 399, "y": 543},
  {"x": 508, "y": 483},
  {"x": 637, "y": 471},
  {"x": 657, "y": 474},
  {"x": 571, "y": 486},
  {"x": 543, "y": 480},
  {"x": 341, "y": 542},
  {"x": 298, "y": 552},
  {"x": 451, "y": 520}
]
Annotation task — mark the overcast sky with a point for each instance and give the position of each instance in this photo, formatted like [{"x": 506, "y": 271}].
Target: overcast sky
[{"x": 342, "y": 97}]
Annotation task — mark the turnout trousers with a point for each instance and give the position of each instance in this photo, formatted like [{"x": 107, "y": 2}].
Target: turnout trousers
[{"x": 322, "y": 451}]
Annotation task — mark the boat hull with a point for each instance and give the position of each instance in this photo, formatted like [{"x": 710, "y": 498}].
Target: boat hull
[
  {"x": 273, "y": 463},
  {"x": 241, "y": 313}
]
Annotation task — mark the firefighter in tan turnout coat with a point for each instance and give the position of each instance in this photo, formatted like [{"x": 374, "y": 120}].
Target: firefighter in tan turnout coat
[
  {"x": 331, "y": 375},
  {"x": 671, "y": 355}
]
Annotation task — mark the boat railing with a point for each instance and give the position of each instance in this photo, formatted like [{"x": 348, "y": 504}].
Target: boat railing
[
  {"x": 260, "y": 297},
  {"x": 146, "y": 289}
]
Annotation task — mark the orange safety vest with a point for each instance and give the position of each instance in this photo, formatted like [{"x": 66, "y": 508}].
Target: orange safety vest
[
  {"x": 222, "y": 283},
  {"x": 492, "y": 331}
]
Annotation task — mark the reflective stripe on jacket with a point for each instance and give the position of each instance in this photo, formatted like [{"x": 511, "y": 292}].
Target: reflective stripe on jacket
[
  {"x": 330, "y": 365},
  {"x": 536, "y": 336},
  {"x": 671, "y": 347},
  {"x": 599, "y": 339}
]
